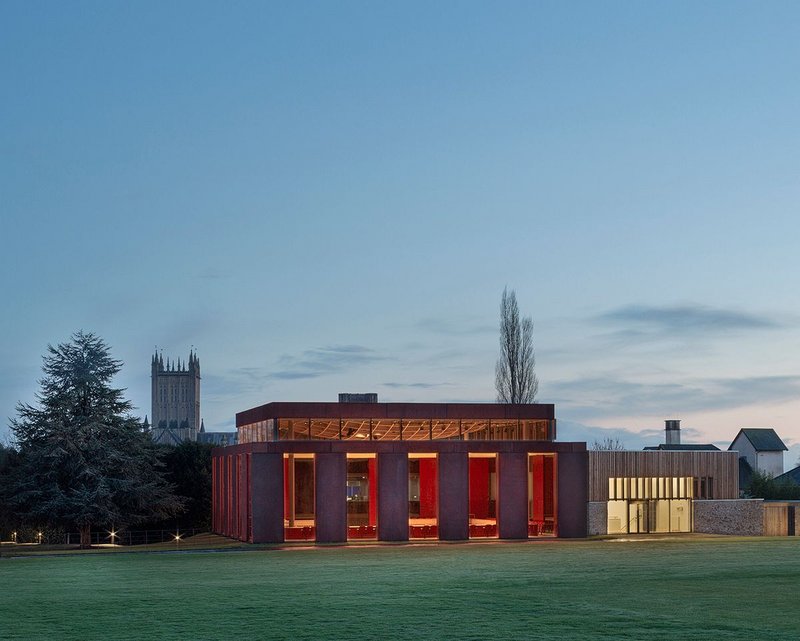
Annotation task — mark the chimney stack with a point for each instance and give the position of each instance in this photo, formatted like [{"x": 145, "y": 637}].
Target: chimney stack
[{"x": 673, "y": 430}]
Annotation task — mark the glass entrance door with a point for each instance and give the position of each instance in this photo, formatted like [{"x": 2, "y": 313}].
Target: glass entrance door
[{"x": 637, "y": 517}]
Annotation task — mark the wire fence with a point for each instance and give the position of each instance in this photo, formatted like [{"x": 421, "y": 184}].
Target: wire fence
[{"x": 133, "y": 537}]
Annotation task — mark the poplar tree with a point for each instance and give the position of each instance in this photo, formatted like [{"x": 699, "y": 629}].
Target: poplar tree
[
  {"x": 84, "y": 459},
  {"x": 515, "y": 371}
]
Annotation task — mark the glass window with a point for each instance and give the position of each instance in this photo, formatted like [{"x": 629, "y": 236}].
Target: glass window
[
  {"x": 617, "y": 517},
  {"x": 475, "y": 430},
  {"x": 385, "y": 430},
  {"x": 416, "y": 430},
  {"x": 355, "y": 429},
  {"x": 445, "y": 429}
]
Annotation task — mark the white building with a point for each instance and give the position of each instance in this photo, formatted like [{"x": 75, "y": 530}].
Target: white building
[{"x": 762, "y": 448}]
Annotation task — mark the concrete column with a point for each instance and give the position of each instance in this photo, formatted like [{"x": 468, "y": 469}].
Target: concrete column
[
  {"x": 453, "y": 496},
  {"x": 266, "y": 497},
  {"x": 512, "y": 495},
  {"x": 220, "y": 506},
  {"x": 330, "y": 479},
  {"x": 572, "y": 493},
  {"x": 244, "y": 498},
  {"x": 231, "y": 506},
  {"x": 214, "y": 488},
  {"x": 393, "y": 496},
  {"x": 235, "y": 497}
]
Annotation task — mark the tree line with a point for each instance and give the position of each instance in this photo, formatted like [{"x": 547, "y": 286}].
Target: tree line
[{"x": 81, "y": 461}]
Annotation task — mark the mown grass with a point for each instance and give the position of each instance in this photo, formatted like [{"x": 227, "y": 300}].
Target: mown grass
[{"x": 682, "y": 590}]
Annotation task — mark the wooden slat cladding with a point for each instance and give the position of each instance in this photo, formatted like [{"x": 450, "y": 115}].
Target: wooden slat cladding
[
  {"x": 776, "y": 521},
  {"x": 723, "y": 467}
]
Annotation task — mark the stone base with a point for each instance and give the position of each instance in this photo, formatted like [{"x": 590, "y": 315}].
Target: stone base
[
  {"x": 743, "y": 517},
  {"x": 597, "y": 518}
]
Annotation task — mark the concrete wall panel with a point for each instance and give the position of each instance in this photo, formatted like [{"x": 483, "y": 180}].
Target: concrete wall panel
[
  {"x": 266, "y": 497},
  {"x": 330, "y": 474},
  {"x": 572, "y": 494},
  {"x": 453, "y": 496},
  {"x": 244, "y": 497},
  {"x": 393, "y": 496},
  {"x": 512, "y": 495}
]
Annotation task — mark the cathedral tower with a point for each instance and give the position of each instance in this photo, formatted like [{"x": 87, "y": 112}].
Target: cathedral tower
[{"x": 175, "y": 399}]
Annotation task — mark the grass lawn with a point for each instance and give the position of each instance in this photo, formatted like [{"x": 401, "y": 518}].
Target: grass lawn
[{"x": 685, "y": 589}]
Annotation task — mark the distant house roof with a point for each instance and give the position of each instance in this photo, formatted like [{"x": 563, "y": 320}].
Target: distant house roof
[
  {"x": 684, "y": 447},
  {"x": 763, "y": 439},
  {"x": 792, "y": 476}
]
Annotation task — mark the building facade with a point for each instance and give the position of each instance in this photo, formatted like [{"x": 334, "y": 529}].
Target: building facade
[
  {"x": 639, "y": 492},
  {"x": 333, "y": 472},
  {"x": 337, "y": 472}
]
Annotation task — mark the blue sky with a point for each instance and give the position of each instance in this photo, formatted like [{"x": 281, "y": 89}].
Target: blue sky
[{"x": 331, "y": 197}]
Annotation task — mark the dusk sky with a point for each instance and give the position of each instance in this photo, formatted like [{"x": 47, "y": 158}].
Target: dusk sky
[{"x": 330, "y": 197}]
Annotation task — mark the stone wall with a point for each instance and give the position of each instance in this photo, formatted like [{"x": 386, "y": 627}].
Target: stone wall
[
  {"x": 597, "y": 518},
  {"x": 743, "y": 517}
]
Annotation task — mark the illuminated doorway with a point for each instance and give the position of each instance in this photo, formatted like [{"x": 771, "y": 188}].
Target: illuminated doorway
[
  {"x": 542, "y": 496},
  {"x": 423, "y": 492},
  {"x": 362, "y": 495},
  {"x": 482, "y": 496},
  {"x": 298, "y": 497}
]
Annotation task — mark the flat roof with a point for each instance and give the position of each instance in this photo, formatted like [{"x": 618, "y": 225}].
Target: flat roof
[{"x": 452, "y": 411}]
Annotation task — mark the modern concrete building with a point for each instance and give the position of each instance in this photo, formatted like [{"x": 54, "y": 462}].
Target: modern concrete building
[{"x": 334, "y": 472}]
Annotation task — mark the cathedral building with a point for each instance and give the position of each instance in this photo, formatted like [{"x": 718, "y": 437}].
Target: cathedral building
[
  {"x": 176, "y": 404},
  {"x": 175, "y": 400}
]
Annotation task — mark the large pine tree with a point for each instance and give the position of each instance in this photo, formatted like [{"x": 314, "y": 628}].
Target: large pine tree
[{"x": 84, "y": 459}]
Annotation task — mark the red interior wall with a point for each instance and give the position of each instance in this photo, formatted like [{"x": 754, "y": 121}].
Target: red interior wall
[
  {"x": 428, "y": 488},
  {"x": 537, "y": 471},
  {"x": 479, "y": 487},
  {"x": 373, "y": 491},
  {"x": 549, "y": 486}
]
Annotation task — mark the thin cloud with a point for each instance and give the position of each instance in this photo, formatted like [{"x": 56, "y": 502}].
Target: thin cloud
[
  {"x": 321, "y": 361},
  {"x": 608, "y": 397},
  {"x": 448, "y": 327},
  {"x": 213, "y": 274},
  {"x": 418, "y": 385},
  {"x": 679, "y": 320}
]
